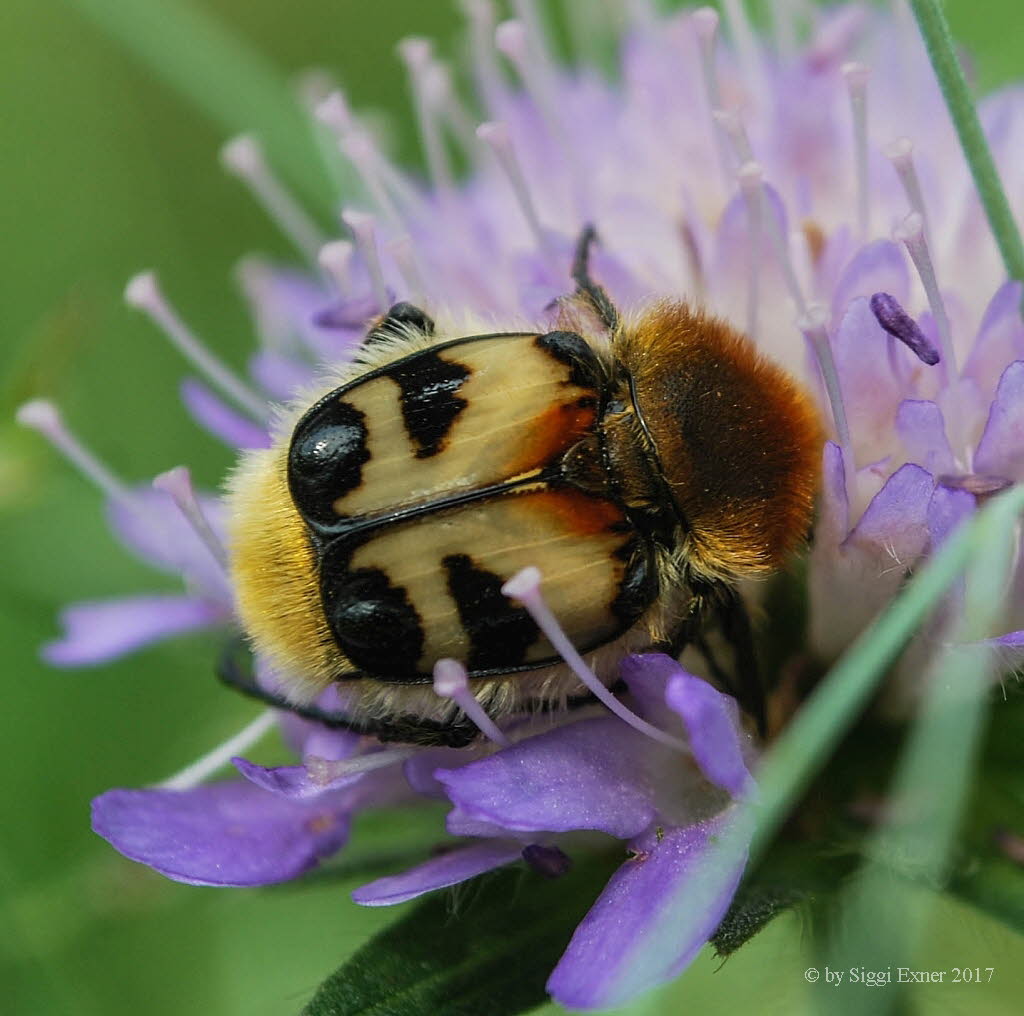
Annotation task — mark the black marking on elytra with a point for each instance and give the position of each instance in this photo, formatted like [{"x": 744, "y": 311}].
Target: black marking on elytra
[
  {"x": 401, "y": 317},
  {"x": 499, "y": 634},
  {"x": 326, "y": 459},
  {"x": 373, "y": 622},
  {"x": 574, "y": 351},
  {"x": 429, "y": 401},
  {"x": 639, "y": 587}
]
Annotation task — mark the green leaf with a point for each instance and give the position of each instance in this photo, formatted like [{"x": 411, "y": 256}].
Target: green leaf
[{"x": 490, "y": 952}]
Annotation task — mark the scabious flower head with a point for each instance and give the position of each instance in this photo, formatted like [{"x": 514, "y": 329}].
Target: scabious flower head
[{"x": 810, "y": 190}]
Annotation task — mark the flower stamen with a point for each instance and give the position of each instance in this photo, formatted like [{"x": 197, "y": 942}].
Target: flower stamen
[
  {"x": 364, "y": 231},
  {"x": 335, "y": 258},
  {"x": 43, "y": 416},
  {"x": 524, "y": 586},
  {"x": 417, "y": 54},
  {"x": 486, "y": 73},
  {"x": 497, "y": 138},
  {"x": 751, "y": 178},
  {"x": 177, "y": 483},
  {"x": 705, "y": 25},
  {"x": 911, "y": 233},
  {"x": 204, "y": 767},
  {"x": 900, "y": 325},
  {"x": 243, "y": 157},
  {"x": 812, "y": 324},
  {"x": 856, "y": 76},
  {"x": 452, "y": 682},
  {"x": 512, "y": 39},
  {"x": 143, "y": 293},
  {"x": 901, "y": 154}
]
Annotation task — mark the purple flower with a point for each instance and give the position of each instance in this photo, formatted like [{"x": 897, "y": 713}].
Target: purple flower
[
  {"x": 780, "y": 189},
  {"x": 600, "y": 775}
]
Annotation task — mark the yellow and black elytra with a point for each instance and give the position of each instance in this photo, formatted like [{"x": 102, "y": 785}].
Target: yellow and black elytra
[{"x": 644, "y": 471}]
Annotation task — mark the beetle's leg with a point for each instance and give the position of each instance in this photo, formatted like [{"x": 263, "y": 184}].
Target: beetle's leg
[
  {"x": 586, "y": 286},
  {"x": 721, "y": 604},
  {"x": 401, "y": 317}
]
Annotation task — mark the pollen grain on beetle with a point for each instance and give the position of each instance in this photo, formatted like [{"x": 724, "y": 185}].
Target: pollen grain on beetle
[{"x": 772, "y": 290}]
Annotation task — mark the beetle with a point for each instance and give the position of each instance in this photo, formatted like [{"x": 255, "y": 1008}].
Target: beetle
[{"x": 646, "y": 465}]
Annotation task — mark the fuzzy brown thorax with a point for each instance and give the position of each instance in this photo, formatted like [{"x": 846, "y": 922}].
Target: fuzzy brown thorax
[{"x": 736, "y": 440}]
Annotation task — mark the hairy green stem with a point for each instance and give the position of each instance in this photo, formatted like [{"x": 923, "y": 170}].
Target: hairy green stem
[{"x": 939, "y": 42}]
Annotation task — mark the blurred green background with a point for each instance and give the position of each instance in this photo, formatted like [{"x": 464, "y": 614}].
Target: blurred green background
[{"x": 107, "y": 169}]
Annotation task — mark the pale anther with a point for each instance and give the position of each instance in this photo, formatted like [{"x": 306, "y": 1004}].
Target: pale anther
[
  {"x": 452, "y": 682},
  {"x": 177, "y": 483},
  {"x": 143, "y": 293},
  {"x": 243, "y": 156},
  {"x": 524, "y": 586}
]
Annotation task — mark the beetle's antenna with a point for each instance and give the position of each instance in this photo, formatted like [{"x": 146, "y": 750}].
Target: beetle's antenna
[{"x": 586, "y": 286}]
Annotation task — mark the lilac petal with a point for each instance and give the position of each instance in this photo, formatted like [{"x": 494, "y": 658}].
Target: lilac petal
[
  {"x": 894, "y": 520},
  {"x": 300, "y": 783},
  {"x": 948, "y": 509},
  {"x": 650, "y": 921},
  {"x": 1000, "y": 338},
  {"x": 234, "y": 429},
  {"x": 107, "y": 629},
  {"x": 1000, "y": 451},
  {"x": 870, "y": 389},
  {"x": 712, "y": 723},
  {"x": 587, "y": 775},
  {"x": 420, "y": 769},
  {"x": 879, "y": 266},
  {"x": 281, "y": 377},
  {"x": 834, "y": 522},
  {"x": 646, "y": 675},
  {"x": 152, "y": 525},
  {"x": 221, "y": 834},
  {"x": 438, "y": 873},
  {"x": 923, "y": 431},
  {"x": 458, "y": 823}
]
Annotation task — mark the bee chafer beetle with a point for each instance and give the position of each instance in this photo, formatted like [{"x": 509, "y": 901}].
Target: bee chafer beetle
[{"x": 644, "y": 471}]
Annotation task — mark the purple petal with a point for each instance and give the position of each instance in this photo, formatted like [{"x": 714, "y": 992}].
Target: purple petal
[
  {"x": 280, "y": 376},
  {"x": 420, "y": 769},
  {"x": 438, "y": 873},
  {"x": 587, "y": 775},
  {"x": 879, "y": 266},
  {"x": 947, "y": 511},
  {"x": 652, "y": 919},
  {"x": 107, "y": 629},
  {"x": 834, "y": 523},
  {"x": 222, "y": 834},
  {"x": 234, "y": 429},
  {"x": 923, "y": 431},
  {"x": 870, "y": 388},
  {"x": 894, "y": 521},
  {"x": 152, "y": 525},
  {"x": 646, "y": 675},
  {"x": 300, "y": 783},
  {"x": 1000, "y": 338},
  {"x": 712, "y": 723},
  {"x": 1000, "y": 451}
]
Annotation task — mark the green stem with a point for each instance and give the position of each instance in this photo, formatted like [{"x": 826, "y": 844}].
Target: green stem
[{"x": 939, "y": 42}]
